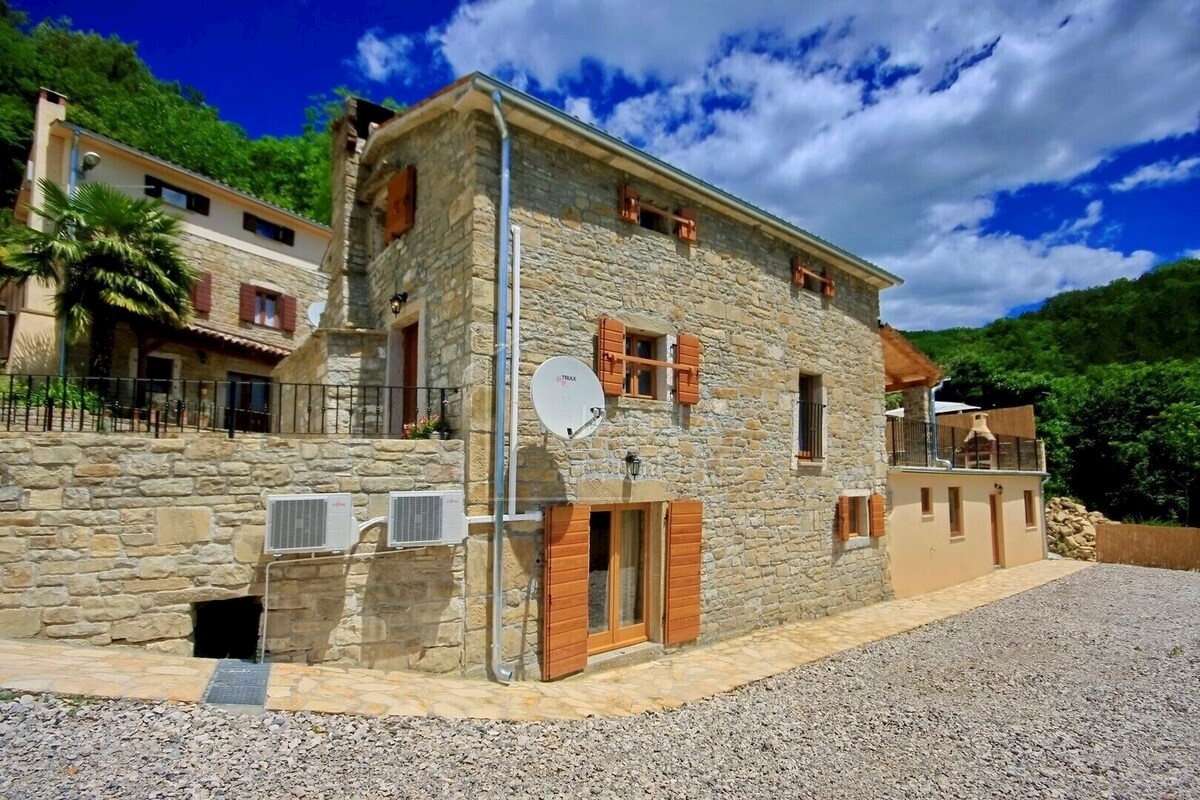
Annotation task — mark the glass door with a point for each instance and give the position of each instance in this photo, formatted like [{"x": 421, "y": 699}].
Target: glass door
[{"x": 617, "y": 577}]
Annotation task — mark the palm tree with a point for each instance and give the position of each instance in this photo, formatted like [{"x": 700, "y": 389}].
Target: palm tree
[{"x": 114, "y": 258}]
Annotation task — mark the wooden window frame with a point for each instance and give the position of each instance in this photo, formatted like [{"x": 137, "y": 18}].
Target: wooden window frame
[
  {"x": 637, "y": 365},
  {"x": 275, "y": 231},
  {"x": 955, "y": 519},
  {"x": 805, "y": 278},
  {"x": 1030, "y": 510},
  {"x": 926, "y": 502},
  {"x": 261, "y": 296},
  {"x": 192, "y": 201},
  {"x": 617, "y": 637},
  {"x": 655, "y": 218}
]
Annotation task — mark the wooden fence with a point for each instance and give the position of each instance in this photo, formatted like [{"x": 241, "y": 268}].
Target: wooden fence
[
  {"x": 1148, "y": 546},
  {"x": 1015, "y": 421}
]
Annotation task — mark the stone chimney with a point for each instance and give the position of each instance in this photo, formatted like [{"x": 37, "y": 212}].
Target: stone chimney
[{"x": 349, "y": 301}]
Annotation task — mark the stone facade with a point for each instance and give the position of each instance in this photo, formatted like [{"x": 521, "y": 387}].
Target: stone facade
[
  {"x": 770, "y": 551},
  {"x": 113, "y": 539}
]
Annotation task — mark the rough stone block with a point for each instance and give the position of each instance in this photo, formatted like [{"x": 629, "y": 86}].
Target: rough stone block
[
  {"x": 77, "y": 629},
  {"x": 168, "y": 487},
  {"x": 183, "y": 525},
  {"x": 20, "y": 623},
  {"x": 98, "y": 609},
  {"x": 105, "y": 545},
  {"x": 17, "y": 576},
  {"x": 97, "y": 470},
  {"x": 158, "y": 567},
  {"x": 43, "y": 499},
  {"x": 11, "y": 549},
  {"x": 150, "y": 627}
]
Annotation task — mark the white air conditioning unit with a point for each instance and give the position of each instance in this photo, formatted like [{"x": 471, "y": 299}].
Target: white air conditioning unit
[
  {"x": 310, "y": 523},
  {"x": 419, "y": 519}
]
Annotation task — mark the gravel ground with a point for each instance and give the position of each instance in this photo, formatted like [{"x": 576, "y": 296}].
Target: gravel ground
[{"x": 1087, "y": 688}]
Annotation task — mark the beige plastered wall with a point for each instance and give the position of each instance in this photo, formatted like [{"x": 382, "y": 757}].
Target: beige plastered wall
[{"x": 923, "y": 556}]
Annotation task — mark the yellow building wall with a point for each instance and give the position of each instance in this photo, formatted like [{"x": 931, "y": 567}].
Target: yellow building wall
[{"x": 923, "y": 556}]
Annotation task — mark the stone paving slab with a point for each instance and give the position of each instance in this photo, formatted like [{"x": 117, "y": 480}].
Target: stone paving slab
[
  {"x": 669, "y": 682},
  {"x": 128, "y": 673}
]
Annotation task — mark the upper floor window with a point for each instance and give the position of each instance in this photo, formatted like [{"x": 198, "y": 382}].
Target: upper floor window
[
  {"x": 1030, "y": 510},
  {"x": 632, "y": 208},
  {"x": 175, "y": 196},
  {"x": 810, "y": 419},
  {"x": 268, "y": 230},
  {"x": 267, "y": 307},
  {"x": 641, "y": 379},
  {"x": 808, "y": 277}
]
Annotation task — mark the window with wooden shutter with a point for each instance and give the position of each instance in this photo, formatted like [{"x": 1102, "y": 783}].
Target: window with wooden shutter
[
  {"x": 685, "y": 519},
  {"x": 610, "y": 353},
  {"x": 246, "y": 297},
  {"x": 811, "y": 280},
  {"x": 268, "y": 230},
  {"x": 685, "y": 226},
  {"x": 629, "y": 203},
  {"x": 401, "y": 202},
  {"x": 202, "y": 293},
  {"x": 564, "y": 628},
  {"x": 876, "y": 505},
  {"x": 287, "y": 313}
]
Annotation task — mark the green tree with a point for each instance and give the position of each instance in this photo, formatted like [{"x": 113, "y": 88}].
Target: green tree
[{"x": 114, "y": 259}]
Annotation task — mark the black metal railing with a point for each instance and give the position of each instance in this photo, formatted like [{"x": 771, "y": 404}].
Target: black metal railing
[
  {"x": 810, "y": 429},
  {"x": 912, "y": 443},
  {"x": 157, "y": 406}
]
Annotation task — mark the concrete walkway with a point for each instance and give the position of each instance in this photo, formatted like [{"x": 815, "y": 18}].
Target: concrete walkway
[{"x": 683, "y": 677}]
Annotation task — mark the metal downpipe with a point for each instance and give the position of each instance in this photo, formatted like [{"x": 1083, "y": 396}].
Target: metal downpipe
[
  {"x": 933, "y": 446},
  {"x": 499, "y": 671}
]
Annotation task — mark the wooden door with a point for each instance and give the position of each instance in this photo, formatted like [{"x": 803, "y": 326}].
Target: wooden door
[
  {"x": 994, "y": 502},
  {"x": 409, "y": 352},
  {"x": 618, "y": 578}
]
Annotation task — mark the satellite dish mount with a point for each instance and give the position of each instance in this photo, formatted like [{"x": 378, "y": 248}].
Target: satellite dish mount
[{"x": 567, "y": 398}]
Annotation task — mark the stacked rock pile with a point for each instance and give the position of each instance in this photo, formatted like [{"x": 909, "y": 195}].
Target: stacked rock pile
[{"x": 1071, "y": 528}]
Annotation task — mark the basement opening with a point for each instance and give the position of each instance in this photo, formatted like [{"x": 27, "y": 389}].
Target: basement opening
[{"x": 227, "y": 628}]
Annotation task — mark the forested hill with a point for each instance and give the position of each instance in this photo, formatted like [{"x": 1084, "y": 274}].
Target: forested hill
[
  {"x": 1153, "y": 318},
  {"x": 1114, "y": 373},
  {"x": 112, "y": 91}
]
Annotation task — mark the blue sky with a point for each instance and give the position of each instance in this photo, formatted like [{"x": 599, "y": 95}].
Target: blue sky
[{"x": 991, "y": 152}]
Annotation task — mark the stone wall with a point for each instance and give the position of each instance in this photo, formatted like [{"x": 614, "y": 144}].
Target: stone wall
[
  {"x": 1071, "y": 528},
  {"x": 112, "y": 539}
]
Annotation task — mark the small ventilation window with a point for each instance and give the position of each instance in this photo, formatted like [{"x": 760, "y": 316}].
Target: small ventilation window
[{"x": 227, "y": 628}]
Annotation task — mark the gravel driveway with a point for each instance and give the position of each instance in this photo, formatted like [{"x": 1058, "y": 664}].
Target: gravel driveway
[{"x": 1088, "y": 687}]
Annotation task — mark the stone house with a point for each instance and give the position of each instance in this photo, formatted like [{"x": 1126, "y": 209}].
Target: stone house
[
  {"x": 258, "y": 264},
  {"x": 740, "y": 357}
]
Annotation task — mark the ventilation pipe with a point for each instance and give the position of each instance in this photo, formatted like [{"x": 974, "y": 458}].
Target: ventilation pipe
[
  {"x": 934, "y": 427},
  {"x": 499, "y": 671}
]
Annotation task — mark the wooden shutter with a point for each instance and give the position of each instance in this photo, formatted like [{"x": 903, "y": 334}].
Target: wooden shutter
[
  {"x": 843, "y": 518},
  {"x": 629, "y": 204},
  {"x": 685, "y": 227},
  {"x": 877, "y": 518},
  {"x": 202, "y": 293},
  {"x": 287, "y": 236},
  {"x": 153, "y": 186},
  {"x": 564, "y": 628},
  {"x": 249, "y": 222},
  {"x": 287, "y": 313},
  {"x": 687, "y": 384},
  {"x": 610, "y": 356},
  {"x": 685, "y": 519},
  {"x": 401, "y": 202},
  {"x": 246, "y": 303},
  {"x": 827, "y": 284}
]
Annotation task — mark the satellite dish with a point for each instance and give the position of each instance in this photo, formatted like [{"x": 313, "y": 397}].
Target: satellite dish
[
  {"x": 567, "y": 397},
  {"x": 315, "y": 310}
]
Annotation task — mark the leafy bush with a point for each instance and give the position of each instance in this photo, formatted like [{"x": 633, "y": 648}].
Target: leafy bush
[{"x": 61, "y": 393}]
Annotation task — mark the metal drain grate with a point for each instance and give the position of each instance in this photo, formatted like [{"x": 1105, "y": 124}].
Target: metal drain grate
[{"x": 238, "y": 683}]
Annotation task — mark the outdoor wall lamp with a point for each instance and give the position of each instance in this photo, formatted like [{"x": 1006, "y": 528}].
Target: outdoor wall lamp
[
  {"x": 633, "y": 465},
  {"x": 397, "y": 301},
  {"x": 999, "y": 488}
]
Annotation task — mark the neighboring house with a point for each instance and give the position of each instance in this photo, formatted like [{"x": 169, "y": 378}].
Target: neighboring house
[
  {"x": 740, "y": 355},
  {"x": 965, "y": 499},
  {"x": 258, "y": 266}
]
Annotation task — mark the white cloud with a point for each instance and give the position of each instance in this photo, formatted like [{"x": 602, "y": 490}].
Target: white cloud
[
  {"x": 380, "y": 58},
  {"x": 1160, "y": 173},
  {"x": 775, "y": 101}
]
